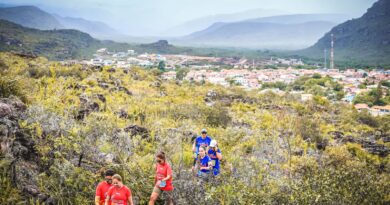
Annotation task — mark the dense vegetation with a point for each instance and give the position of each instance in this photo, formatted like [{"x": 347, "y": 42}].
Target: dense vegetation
[
  {"x": 378, "y": 96},
  {"x": 315, "y": 84},
  {"x": 80, "y": 120}
]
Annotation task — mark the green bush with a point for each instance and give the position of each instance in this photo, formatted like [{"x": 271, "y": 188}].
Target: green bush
[{"x": 9, "y": 87}]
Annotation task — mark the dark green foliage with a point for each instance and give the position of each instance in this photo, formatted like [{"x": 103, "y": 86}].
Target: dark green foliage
[
  {"x": 378, "y": 96},
  {"x": 181, "y": 73},
  {"x": 217, "y": 116},
  {"x": 279, "y": 85},
  {"x": 9, "y": 194},
  {"x": 161, "y": 66},
  {"x": 9, "y": 87}
]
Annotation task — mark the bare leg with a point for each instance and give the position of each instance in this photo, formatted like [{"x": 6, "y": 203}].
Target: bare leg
[{"x": 153, "y": 197}]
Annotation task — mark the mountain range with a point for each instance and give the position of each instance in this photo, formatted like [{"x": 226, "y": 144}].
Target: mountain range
[
  {"x": 34, "y": 17},
  {"x": 363, "y": 40},
  {"x": 277, "y": 32},
  {"x": 198, "y": 24}
]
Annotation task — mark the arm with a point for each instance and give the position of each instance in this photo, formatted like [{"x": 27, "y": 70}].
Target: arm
[
  {"x": 97, "y": 200},
  {"x": 194, "y": 146},
  {"x": 219, "y": 154},
  {"x": 155, "y": 176},
  {"x": 207, "y": 168},
  {"x": 130, "y": 200},
  {"x": 107, "y": 200},
  {"x": 169, "y": 174},
  {"x": 98, "y": 195},
  {"x": 166, "y": 178}
]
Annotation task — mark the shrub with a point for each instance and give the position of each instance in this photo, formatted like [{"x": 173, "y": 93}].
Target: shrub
[{"x": 9, "y": 87}]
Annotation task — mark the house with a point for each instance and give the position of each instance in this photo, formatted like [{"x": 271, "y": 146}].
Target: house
[
  {"x": 361, "y": 107},
  {"x": 380, "y": 110}
]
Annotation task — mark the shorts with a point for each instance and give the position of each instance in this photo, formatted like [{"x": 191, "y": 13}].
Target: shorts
[
  {"x": 215, "y": 172},
  {"x": 159, "y": 191}
]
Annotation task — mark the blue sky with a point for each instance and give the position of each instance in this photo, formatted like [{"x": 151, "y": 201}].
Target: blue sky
[{"x": 148, "y": 17}]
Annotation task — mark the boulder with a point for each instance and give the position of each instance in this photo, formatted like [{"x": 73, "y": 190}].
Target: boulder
[
  {"x": 5, "y": 110},
  {"x": 101, "y": 97},
  {"x": 127, "y": 91},
  {"x": 104, "y": 85},
  {"x": 137, "y": 130},
  {"x": 123, "y": 114}
]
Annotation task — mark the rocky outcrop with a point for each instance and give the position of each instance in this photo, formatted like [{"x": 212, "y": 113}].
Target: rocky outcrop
[
  {"x": 137, "y": 130},
  {"x": 18, "y": 147},
  {"x": 87, "y": 107},
  {"x": 369, "y": 144}
]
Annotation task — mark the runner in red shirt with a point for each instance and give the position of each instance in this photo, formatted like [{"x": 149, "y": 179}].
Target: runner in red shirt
[
  {"x": 118, "y": 194},
  {"x": 102, "y": 188},
  {"x": 163, "y": 180}
]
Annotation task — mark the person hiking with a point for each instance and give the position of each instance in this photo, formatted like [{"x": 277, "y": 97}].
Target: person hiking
[
  {"x": 118, "y": 194},
  {"x": 202, "y": 140},
  {"x": 163, "y": 180},
  {"x": 215, "y": 155},
  {"x": 102, "y": 187},
  {"x": 204, "y": 163}
]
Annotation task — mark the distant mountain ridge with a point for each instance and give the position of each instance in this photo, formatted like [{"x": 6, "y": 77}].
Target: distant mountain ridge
[
  {"x": 30, "y": 16},
  {"x": 365, "y": 39},
  {"x": 62, "y": 44},
  {"x": 55, "y": 44},
  {"x": 34, "y": 17},
  {"x": 205, "y": 22},
  {"x": 278, "y": 32},
  {"x": 95, "y": 28}
]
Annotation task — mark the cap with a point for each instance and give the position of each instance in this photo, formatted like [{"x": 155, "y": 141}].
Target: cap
[
  {"x": 203, "y": 130},
  {"x": 213, "y": 143}
]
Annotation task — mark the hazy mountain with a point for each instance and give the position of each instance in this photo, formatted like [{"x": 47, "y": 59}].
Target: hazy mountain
[
  {"x": 30, "y": 16},
  {"x": 278, "y": 32},
  {"x": 54, "y": 44},
  {"x": 204, "y": 22},
  {"x": 68, "y": 43},
  {"x": 33, "y": 17},
  {"x": 5, "y": 5},
  {"x": 365, "y": 40},
  {"x": 302, "y": 18},
  {"x": 95, "y": 28}
]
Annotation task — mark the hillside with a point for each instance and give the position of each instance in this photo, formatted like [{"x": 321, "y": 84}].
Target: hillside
[
  {"x": 251, "y": 34},
  {"x": 34, "y": 17},
  {"x": 95, "y": 28},
  {"x": 30, "y": 16},
  {"x": 62, "y": 126},
  {"x": 71, "y": 44},
  {"x": 301, "y": 18},
  {"x": 202, "y": 23},
  {"x": 54, "y": 44},
  {"x": 284, "y": 32},
  {"x": 365, "y": 40}
]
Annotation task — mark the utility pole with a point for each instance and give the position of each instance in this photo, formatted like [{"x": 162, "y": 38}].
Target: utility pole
[
  {"x": 332, "y": 52},
  {"x": 325, "y": 62}
]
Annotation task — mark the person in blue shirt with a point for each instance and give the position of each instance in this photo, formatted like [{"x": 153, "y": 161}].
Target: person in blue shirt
[
  {"x": 204, "y": 163},
  {"x": 215, "y": 155},
  {"x": 202, "y": 140}
]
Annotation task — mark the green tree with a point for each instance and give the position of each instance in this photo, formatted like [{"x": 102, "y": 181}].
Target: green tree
[
  {"x": 181, "y": 73},
  {"x": 161, "y": 66}
]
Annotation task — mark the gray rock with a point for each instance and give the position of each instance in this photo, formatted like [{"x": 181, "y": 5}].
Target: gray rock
[{"x": 5, "y": 110}]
